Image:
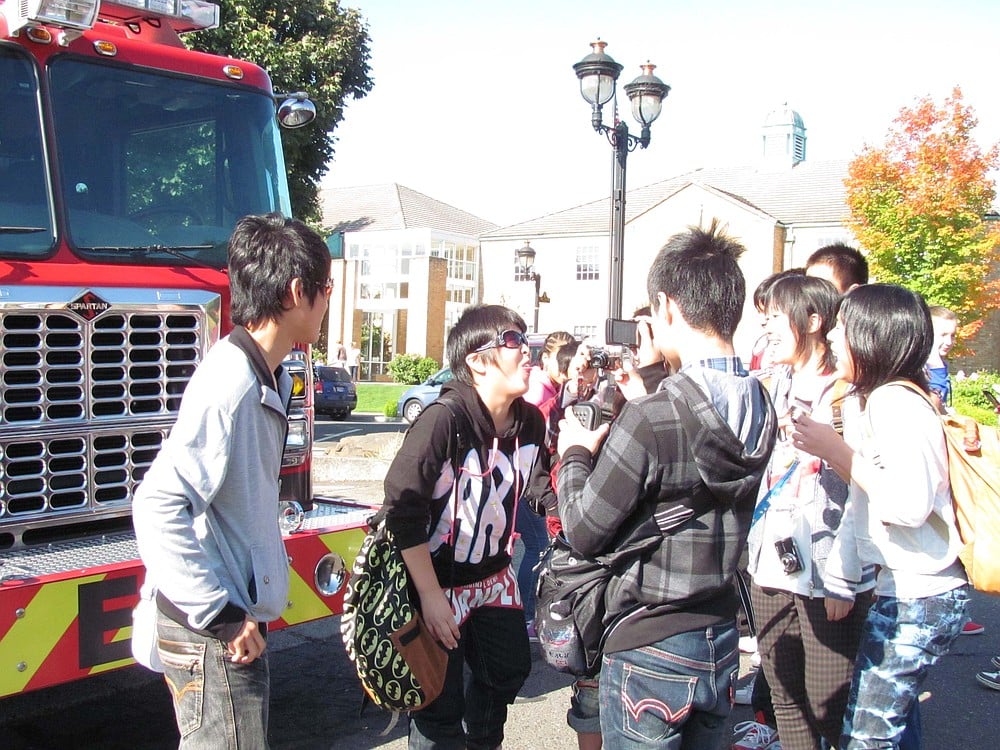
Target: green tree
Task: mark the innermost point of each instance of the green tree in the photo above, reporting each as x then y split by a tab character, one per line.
918	205
314	46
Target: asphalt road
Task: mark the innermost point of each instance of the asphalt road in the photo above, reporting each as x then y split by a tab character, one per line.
329	430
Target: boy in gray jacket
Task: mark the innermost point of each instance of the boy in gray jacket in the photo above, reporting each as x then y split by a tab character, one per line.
206	513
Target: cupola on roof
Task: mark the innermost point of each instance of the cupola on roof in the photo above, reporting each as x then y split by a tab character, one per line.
784	115
784	138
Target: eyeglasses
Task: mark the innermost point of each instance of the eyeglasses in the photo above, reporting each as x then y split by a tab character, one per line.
508	340
328	287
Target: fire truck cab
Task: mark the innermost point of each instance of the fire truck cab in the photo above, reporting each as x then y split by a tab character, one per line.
125	161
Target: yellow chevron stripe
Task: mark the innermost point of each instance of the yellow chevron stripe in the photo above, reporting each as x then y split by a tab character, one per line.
305	603
30	640
347	543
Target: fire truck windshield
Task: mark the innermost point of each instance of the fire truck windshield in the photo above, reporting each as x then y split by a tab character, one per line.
165	166
25	208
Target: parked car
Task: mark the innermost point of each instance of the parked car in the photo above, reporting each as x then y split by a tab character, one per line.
416	398
335	393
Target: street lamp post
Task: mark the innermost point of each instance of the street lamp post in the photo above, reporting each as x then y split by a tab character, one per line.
598	73
526	259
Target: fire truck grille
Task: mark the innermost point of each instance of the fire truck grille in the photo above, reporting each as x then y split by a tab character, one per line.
58	368
47	478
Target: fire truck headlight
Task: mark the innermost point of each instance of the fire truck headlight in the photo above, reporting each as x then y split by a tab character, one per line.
297	110
298	434
331	574
290	516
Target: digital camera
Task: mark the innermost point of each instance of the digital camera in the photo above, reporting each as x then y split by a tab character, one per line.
602	359
788	554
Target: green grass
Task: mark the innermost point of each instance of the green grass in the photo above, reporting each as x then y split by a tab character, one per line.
372	397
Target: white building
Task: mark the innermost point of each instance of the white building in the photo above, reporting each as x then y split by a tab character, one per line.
410	267
781	209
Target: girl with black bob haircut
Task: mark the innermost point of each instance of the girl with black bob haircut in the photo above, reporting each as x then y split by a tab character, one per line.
890	333
900	508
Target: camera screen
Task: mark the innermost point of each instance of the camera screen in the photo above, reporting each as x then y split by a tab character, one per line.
624	332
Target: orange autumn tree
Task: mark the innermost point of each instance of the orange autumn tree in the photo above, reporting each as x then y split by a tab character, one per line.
918	205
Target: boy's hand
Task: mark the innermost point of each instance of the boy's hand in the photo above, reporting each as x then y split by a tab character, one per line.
248	643
571	433
629	382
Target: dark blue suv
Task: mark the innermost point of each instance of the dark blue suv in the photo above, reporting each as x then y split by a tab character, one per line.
335	392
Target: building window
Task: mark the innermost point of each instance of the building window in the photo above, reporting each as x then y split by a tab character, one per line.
587	265
582	332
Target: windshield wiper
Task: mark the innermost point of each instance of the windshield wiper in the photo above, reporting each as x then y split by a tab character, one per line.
180	252
22	230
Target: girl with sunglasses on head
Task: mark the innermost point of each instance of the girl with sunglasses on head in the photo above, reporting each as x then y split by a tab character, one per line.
450	503
900	508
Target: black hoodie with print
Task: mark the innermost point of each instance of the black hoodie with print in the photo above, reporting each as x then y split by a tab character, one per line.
495	472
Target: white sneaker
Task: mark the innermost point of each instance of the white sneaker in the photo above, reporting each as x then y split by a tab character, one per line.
748	644
755	660
755	737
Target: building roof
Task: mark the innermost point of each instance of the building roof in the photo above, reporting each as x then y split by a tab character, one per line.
808	193
394	206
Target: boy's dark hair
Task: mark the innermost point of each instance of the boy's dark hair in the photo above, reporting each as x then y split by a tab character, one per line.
478	326
889	335
761	297
798	297
265	254
565	355
699	270
849	266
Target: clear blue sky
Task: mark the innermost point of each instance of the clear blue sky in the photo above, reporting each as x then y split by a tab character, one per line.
476	103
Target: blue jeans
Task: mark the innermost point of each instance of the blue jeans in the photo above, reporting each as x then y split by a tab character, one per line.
218	705
535	538
494	645
672	695
900	641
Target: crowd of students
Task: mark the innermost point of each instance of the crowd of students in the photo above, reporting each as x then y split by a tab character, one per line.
825	468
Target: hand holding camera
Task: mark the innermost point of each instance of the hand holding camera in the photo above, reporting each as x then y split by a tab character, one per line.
572	431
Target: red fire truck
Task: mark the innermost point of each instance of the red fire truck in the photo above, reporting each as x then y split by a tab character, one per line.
125	161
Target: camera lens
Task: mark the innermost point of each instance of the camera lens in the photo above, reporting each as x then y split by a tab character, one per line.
599	359
789	563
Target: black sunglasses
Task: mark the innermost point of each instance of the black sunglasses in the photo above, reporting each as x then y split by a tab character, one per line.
508	339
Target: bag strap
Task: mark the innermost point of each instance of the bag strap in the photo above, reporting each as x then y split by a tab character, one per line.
838	392
765	502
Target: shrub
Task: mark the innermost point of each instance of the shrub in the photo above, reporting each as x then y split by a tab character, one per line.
389	409
411	368
968	399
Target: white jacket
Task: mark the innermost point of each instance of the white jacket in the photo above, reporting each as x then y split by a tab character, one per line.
905	522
